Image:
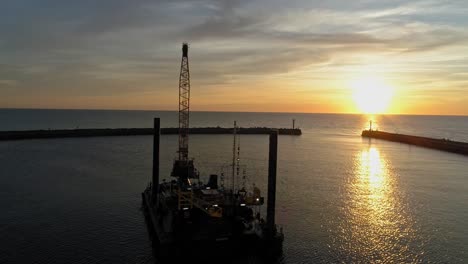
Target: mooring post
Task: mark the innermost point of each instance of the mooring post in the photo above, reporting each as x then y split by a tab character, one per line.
272	164
155	183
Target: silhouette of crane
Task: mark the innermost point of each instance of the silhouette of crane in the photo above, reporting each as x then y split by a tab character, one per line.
183	166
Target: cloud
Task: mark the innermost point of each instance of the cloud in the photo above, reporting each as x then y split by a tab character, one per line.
8	83
130	47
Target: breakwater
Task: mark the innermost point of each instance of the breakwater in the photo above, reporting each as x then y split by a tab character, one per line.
433	143
65	133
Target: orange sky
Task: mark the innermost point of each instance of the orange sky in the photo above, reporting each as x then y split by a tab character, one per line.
244	56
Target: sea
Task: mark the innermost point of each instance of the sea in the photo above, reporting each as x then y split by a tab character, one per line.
340	198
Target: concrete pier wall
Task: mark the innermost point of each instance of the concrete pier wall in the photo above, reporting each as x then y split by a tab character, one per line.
64	133
433	143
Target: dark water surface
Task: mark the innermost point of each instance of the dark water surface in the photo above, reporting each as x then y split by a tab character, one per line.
340	198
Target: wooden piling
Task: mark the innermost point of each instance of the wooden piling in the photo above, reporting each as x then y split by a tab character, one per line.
272	166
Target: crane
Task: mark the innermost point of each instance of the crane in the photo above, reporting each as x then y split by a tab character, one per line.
183	166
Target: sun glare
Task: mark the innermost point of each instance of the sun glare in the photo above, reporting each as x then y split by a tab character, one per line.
371	94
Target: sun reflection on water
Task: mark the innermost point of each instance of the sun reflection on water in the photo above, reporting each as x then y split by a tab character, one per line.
374	192
372	168
378	226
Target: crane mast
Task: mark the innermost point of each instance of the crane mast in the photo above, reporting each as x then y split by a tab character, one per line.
183	166
184	104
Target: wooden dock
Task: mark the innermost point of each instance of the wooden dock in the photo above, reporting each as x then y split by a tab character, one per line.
433	143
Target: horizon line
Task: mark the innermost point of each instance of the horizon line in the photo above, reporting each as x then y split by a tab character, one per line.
209	111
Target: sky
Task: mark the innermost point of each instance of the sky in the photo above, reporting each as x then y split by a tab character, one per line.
256	55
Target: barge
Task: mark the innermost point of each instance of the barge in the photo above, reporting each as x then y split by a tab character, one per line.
186	215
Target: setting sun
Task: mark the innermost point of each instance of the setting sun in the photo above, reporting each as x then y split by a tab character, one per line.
371	94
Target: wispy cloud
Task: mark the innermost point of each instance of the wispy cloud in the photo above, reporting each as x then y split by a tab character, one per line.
126	48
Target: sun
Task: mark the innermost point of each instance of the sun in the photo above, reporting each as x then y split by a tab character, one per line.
371	94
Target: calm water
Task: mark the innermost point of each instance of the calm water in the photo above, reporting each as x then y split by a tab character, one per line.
340	198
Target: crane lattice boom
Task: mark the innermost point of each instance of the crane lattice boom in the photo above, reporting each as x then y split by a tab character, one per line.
184	104
183	166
